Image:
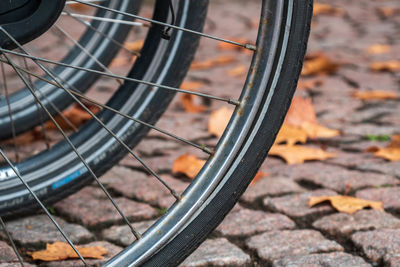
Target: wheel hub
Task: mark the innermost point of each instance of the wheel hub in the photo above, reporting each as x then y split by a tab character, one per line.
26	20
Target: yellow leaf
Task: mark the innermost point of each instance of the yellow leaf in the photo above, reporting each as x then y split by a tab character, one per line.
135	46
214	62
291	135
318	63
345	203
260	175
61	251
218	121
314	130
299	154
375	95
325	9
390	152
393	65
188	164
377	49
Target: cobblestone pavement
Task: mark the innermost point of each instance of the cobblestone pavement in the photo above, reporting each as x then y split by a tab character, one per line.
272	225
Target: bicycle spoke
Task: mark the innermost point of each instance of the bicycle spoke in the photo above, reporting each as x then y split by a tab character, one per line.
42	205
11	242
247	46
154	85
131	23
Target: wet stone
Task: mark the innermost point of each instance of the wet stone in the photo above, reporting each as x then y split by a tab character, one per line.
249	222
36	231
277	244
112	250
335	259
271	186
7	254
342	224
296	206
376	244
217	252
122	234
137	185
92	208
390	197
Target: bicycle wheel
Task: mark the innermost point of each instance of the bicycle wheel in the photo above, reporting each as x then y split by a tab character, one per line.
149	87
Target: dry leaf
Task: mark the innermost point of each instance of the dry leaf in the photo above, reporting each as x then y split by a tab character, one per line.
377	49
260	175
393	65
75	115
389	11
301	110
238	71
375	95
318	63
291	135
189	104
390	152
214	62
61	251
314	130
345	203
326	9
299	154
188	164
191	86
218	121
135	46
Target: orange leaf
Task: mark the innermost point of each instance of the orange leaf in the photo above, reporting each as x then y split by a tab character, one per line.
325	9
75	115
291	135
390	152
135	46
393	65
299	154
260	175
79	7
188	103
188	164
377	49
214	62
238	71
229	46
345	203
389	11
301	110
318	63
314	130
375	95
218	121
61	251
191	86
309	84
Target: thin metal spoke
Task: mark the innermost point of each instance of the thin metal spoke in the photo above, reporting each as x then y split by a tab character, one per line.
13	132
154	85
89	1
199	146
247	46
136	234
85	51
12	242
118	21
41	204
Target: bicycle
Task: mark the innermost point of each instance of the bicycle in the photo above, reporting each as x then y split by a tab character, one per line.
143	95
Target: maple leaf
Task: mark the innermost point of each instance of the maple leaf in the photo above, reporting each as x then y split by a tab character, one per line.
291	135
375	95
393	65
377	49
318	63
218	121
301	111
390	152
75	116
214	62
299	154
345	203
314	130
61	251
188	164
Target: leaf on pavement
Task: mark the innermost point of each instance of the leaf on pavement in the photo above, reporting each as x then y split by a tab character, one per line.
314	130
309	84
326	9
188	164
375	95
392	65
318	63
390	152
218	121
191	86
75	115
135	46
61	251
301	110
378	49
192	103
389	11
291	135
299	154
345	203
260	175
213	62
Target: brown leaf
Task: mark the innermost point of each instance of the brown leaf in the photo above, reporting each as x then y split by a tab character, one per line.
318	63
378	49
375	95
345	203
76	116
214	62
188	164
389	11
260	175
135	46
238	71
61	251
189	104
299	154
314	130
191	86
301	110
218	121
326	9
393	65
79	7
291	135
390	152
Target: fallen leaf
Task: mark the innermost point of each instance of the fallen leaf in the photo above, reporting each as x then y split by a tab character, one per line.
389	11
218	121
260	175
75	115
390	152
314	130
188	164
393	65
326	9
309	84
214	62
238	71
375	95
291	135
61	251
299	154
189	104
345	203
301	110
79	7
135	46
377	49
191	86
318	63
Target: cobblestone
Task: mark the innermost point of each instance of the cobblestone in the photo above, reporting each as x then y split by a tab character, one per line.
6	253
389	196
122	234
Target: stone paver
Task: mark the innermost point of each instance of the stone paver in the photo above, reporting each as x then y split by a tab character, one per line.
392	260
376	244
217	252
91	208
122	234
342	224
277	244
7	253
249	222
390	197
335	259
38	230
